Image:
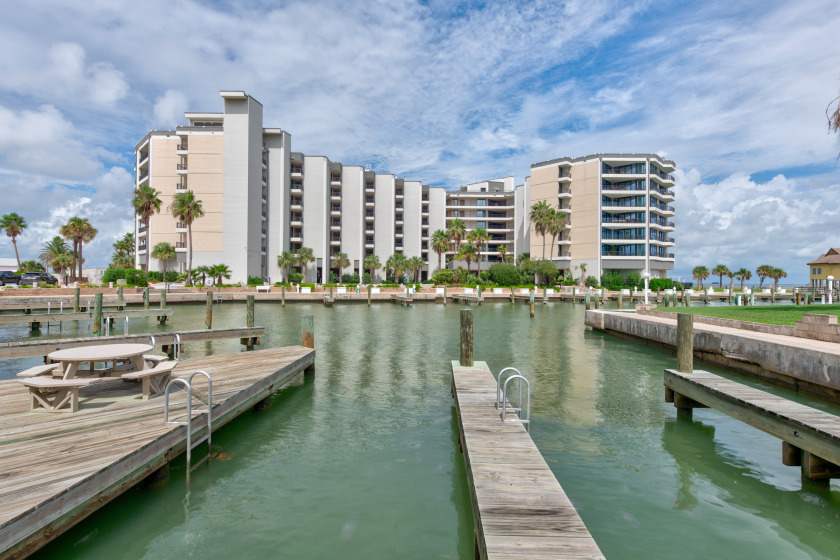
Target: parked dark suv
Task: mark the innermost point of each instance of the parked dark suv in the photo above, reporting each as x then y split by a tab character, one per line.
8	277
35	277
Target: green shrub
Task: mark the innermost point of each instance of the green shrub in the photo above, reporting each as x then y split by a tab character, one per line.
546	269
295	277
612	281
350	278
367	278
591	281
633	280
660	284
254	281
307	285
278	284
505	274
443	277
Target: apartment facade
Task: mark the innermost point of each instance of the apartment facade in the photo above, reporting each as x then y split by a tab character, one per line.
260	198
618	213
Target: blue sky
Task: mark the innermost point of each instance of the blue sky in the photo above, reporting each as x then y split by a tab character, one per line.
447	93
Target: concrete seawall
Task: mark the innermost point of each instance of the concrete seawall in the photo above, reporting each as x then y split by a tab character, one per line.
807	366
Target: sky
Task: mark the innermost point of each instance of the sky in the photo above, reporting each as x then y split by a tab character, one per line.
444	92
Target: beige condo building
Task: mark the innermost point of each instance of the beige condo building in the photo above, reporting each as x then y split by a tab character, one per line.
617	209
260	198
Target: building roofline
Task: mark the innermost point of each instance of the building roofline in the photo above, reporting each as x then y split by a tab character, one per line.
153	133
602	156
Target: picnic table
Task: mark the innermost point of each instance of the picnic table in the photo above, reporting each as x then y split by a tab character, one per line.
131	355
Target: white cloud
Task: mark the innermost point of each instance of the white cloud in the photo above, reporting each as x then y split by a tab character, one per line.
169	109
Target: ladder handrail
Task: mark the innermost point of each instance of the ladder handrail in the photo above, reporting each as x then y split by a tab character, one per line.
499	385
153	342
176	351
522	406
208	412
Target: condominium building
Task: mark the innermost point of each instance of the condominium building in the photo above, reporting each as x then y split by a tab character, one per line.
494	205
618	212
260	198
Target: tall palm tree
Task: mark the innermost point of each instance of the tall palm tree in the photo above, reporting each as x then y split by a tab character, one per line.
540	216
51	249
62	262
456	231
164	252
743	274
305	255
556	225
202	271
731	276
479	238
763	272
700	273
341	261
187	208
466	253
146	203
440	244
415	264
14	224
372	264
285	261
398	263
776	274
721	270
32	266
80	231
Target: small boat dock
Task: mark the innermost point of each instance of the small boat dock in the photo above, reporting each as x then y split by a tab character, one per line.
58	468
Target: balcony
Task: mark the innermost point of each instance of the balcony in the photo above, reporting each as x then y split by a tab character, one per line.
180	227
335	180
564	192
398	195
335	196
180	187
143	178
296	205
369	202
141	228
141	248
296	223
621	220
398	233
369	188
297	170
661	192
624	186
398	221
296	238
335	241
369	217
335	225
181	168
369	245
661	175
180	246
565	176
181	149
369	231
619	253
624	169
424	198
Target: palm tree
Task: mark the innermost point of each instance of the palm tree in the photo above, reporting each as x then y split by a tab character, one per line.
456	231
582	268
502	249
14	224
52	249
540	215
415	264
372	263
219	271
80	231
164	252
124	246
763	272
396	262
341	261
440	244
743	274
187	208
305	255
700	273
466	253
146	203
556	225
31	266
776	274
731	276
721	270
479	236
285	261
203	271
62	262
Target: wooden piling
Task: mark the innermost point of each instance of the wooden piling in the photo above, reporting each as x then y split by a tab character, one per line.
620	297
331	292
76	293
120	298
444	294
146	297
208	311
752	299
798	298
467	335
687	299
586	300
163	299
307	325
368	290
283	296
531	303
97	314
249	311
685	342
597	301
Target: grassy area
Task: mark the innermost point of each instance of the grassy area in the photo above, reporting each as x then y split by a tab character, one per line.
769	314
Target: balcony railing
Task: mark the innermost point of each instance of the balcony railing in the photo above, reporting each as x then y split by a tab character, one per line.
661	174
609	235
625	186
618	220
618	253
143	177
141	228
335	178
297	169
182	147
141	247
180	187
181	166
180	225
661	190
629	169
180	244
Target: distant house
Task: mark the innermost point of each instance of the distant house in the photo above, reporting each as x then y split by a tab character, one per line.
827	264
93	275
8	264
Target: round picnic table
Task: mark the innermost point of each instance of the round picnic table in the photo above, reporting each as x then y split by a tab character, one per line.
71	358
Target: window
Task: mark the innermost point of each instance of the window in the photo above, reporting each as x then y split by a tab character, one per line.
454	202
480	214
482	225
455	213
481	202
816	271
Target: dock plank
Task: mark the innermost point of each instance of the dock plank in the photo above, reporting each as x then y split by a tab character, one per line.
520	509
57	469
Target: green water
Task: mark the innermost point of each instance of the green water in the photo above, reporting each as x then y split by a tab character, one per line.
362	460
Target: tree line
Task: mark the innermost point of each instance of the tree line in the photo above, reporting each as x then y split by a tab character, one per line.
763	272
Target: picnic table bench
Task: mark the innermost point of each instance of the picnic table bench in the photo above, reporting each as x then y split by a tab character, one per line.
54	394
154	379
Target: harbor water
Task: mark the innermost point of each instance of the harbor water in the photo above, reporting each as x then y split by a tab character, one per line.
362	460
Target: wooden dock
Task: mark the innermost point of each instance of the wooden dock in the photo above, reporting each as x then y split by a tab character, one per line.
38	318
402	299
519	508
810	437
56	469
38	348
468	298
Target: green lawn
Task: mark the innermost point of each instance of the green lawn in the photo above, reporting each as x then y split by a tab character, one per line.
769	314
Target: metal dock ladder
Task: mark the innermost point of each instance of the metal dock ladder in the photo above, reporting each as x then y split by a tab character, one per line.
208	413
501	399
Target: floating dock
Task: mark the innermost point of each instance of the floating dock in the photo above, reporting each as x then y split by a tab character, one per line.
519	508
56	469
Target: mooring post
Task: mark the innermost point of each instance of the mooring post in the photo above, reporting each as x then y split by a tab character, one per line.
163	299
444	294
307	325
586	300
369	295
331	292
249	311
512	299
798	298
620	297
752	299
283	296
208	311
146	297
76	294
531	302
597	301
687	298
97	314
120	298
467	337
574	293
685	360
